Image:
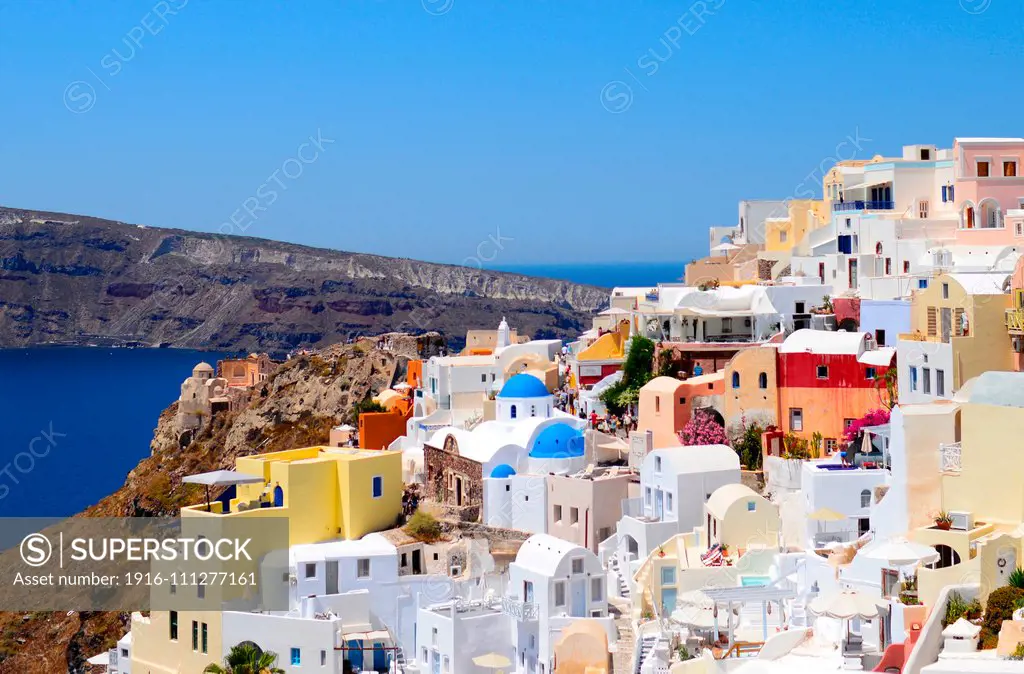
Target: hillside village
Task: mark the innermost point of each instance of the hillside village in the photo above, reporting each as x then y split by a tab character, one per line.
791	461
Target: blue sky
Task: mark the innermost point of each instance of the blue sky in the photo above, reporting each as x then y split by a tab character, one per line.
460	123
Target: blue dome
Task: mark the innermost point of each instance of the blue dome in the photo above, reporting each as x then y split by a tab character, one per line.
503	470
558	441
524	386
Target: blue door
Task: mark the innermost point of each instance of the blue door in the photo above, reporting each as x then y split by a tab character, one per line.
668	601
579	598
659	503
278	497
380	658
354	654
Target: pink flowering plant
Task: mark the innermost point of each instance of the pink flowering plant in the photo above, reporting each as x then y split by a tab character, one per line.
872	418
702	429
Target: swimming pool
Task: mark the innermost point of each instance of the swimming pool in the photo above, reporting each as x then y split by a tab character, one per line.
754	581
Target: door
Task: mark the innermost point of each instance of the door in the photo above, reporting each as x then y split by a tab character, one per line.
853	273
458	491
659	503
1006	562
435	662
380	658
947	324
668	601
417	562
354	655
332	576
579	598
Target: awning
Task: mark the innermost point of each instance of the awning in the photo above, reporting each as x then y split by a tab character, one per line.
373	635
222	478
875	183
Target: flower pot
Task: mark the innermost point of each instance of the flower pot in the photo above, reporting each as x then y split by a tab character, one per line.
944	526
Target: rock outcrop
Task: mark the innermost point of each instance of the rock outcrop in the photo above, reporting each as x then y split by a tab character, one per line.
79	280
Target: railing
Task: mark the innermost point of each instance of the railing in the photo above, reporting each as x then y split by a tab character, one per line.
523	611
951	457
112	668
633	507
862	205
742	649
1015	320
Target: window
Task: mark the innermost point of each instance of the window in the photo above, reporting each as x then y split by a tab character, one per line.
922	208
751	506
823	372
647	496
528	591
124	652
1018	228
174	625
796	419
668	575
940	382
512	411
913	378
310	570
577	565
945	194
847	223
433	636
296	657
726	325
945	291
657	404
865	498
533	410
830	445
363	568
926	154
735	379
869	373
906	266
483	379
800	306
1009	169
560	593
762	380
682	400
926	380
424	656
657	464
668	501
982	169
922	283
783	235
596	589
574	515
323	658
557	513
195	635
888	266
933	321
205	638
880	337
847	423
445	664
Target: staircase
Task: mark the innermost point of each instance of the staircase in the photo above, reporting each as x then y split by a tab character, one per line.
798	613
613	564
399	658
645	647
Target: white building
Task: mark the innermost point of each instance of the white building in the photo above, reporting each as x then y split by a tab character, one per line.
551	584
675	484
753	213
450	633
844	489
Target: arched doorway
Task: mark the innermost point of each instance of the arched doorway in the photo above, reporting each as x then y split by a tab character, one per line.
278	497
849	325
714	414
632	548
947	557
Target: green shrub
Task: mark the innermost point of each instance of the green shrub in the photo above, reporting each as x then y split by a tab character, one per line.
999	608
1016	578
423	527
1018	653
956	606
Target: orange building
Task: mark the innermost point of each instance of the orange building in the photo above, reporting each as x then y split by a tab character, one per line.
377	430
414	373
665	404
827	380
249	371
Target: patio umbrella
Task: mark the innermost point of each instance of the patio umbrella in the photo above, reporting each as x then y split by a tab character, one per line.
826	515
901	552
492	661
846	605
725	247
221	478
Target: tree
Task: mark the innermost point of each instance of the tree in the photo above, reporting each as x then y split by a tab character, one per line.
888	391
246	658
873	418
746	440
636	371
702	429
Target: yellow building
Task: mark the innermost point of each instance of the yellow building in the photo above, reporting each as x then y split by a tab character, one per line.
957	332
784	233
325	493
984	498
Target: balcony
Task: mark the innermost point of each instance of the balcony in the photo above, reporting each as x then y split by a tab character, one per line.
1015	321
951	454
862	205
523	611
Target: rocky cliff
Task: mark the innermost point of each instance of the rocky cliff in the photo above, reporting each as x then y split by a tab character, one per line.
81	280
297	407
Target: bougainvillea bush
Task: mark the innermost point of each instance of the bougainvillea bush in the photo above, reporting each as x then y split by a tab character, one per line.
872	418
702	429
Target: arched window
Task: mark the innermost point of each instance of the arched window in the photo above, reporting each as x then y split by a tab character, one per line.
990	214
878	248
762	380
947	557
735	379
512	411
865	498
533	410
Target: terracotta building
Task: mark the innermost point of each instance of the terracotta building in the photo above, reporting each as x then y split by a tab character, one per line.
249	371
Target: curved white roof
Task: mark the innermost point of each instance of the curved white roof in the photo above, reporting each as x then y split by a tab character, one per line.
484	441
543	553
725	300
1005	389
982	283
694	459
726	495
824	342
371	544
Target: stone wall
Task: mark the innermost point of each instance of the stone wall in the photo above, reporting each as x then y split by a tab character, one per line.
442	467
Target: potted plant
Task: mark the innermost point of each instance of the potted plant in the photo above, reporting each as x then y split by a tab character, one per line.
661	551
943	521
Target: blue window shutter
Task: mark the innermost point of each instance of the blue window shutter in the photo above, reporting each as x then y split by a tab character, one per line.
944	193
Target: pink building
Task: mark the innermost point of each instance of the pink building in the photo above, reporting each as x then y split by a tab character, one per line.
988	184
